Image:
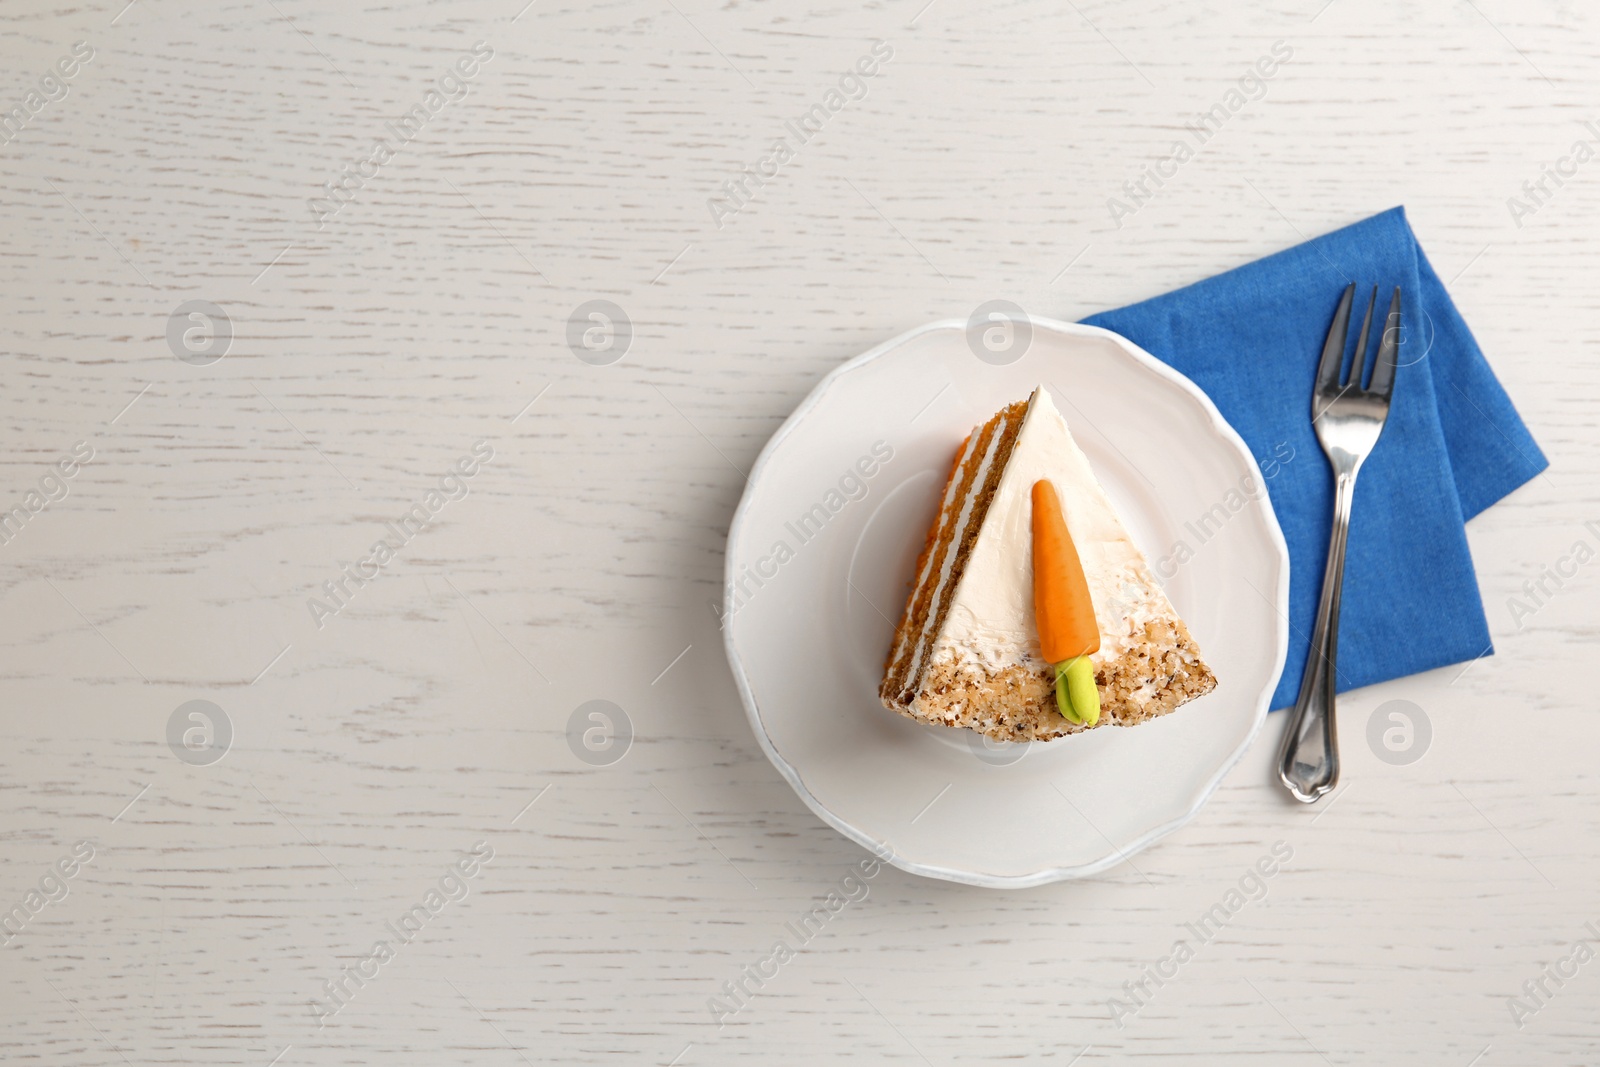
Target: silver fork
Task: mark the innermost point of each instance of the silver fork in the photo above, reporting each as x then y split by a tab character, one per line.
1348	420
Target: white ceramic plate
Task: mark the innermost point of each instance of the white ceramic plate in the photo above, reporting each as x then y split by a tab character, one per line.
820	557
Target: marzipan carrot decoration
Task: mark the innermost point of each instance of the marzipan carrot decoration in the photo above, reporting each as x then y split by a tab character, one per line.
1068	634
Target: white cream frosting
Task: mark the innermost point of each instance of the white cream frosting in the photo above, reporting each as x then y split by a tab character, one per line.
990	624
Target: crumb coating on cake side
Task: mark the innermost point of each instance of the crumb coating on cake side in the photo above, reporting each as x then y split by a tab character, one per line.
1160	671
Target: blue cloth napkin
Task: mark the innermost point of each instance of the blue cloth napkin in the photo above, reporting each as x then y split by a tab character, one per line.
1453	444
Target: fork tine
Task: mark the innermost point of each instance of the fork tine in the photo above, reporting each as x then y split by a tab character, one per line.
1388	352
1358	362
1332	365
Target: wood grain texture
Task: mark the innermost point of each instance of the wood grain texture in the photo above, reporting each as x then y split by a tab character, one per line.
373	350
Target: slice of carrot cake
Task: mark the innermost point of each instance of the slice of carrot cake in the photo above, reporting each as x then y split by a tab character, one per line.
1025	627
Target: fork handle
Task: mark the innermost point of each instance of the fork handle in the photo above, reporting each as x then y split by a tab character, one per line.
1309	762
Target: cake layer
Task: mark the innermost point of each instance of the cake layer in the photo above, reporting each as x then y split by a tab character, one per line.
964	507
914	620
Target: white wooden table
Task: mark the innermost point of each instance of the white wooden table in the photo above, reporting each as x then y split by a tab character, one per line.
378	334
